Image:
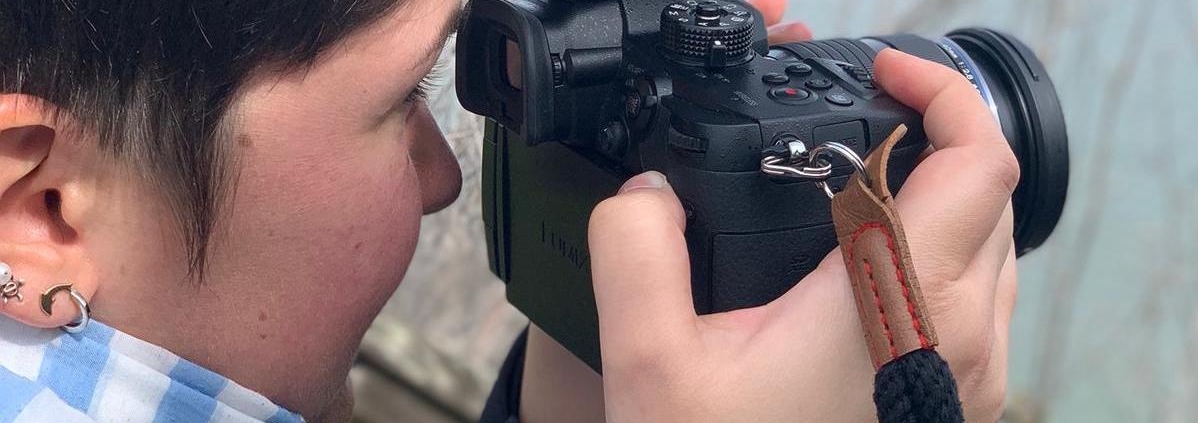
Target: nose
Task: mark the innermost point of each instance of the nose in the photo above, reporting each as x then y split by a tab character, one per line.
436	167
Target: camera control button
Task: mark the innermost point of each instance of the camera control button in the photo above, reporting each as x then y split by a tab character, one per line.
709	10
839	99
819	84
775	79
684	142
801	69
788	95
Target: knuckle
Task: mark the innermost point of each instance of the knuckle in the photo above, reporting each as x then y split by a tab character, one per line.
1008	295
997	163
971	354
952	87
978	352
1006	168
985	402
955	83
980	378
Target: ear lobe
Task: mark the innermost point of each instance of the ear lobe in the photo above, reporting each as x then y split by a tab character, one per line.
41	174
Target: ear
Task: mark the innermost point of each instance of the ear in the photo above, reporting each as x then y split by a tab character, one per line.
47	190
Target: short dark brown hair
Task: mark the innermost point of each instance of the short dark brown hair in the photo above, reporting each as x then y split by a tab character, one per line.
155	78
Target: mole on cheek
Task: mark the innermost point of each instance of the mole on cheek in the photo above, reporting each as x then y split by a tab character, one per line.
262	316
245	141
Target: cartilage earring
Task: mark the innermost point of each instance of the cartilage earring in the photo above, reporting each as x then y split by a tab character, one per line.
84	310
10	286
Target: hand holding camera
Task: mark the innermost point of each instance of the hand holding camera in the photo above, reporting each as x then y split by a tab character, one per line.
690	277
662	362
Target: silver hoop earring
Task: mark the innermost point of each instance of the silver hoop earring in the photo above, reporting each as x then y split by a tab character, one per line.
10	286
84	311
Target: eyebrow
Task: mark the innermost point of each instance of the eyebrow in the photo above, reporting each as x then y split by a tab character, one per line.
450	28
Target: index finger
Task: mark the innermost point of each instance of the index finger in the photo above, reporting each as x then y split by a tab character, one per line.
954	113
952	201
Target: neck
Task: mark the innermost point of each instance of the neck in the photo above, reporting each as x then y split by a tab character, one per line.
272	346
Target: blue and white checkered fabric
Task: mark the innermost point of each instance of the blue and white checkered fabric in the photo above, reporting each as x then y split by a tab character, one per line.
102	375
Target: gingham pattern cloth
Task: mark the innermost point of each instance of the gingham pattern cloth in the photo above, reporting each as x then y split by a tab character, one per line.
102	375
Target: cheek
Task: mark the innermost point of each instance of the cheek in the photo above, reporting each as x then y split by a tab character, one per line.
329	216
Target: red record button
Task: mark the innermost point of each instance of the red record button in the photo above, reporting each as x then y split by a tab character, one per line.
790	95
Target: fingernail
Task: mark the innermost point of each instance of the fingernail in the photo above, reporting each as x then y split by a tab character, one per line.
647	180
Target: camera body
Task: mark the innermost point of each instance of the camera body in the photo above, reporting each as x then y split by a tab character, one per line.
582	95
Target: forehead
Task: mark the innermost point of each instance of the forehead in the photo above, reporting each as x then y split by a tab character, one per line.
421	26
368	70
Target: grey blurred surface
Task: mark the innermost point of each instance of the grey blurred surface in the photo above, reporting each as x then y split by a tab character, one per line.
1106	329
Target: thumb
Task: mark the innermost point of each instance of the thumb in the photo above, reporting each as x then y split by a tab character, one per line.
641	270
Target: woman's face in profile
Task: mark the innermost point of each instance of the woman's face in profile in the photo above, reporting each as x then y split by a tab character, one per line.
335	167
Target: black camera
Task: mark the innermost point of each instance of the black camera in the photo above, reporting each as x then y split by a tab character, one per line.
581	95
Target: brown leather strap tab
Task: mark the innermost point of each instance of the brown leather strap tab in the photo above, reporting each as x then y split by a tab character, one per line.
878	260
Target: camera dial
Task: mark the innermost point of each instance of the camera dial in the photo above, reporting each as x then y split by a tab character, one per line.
711	33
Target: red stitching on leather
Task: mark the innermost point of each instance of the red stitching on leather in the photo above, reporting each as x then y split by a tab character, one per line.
873	284
898	271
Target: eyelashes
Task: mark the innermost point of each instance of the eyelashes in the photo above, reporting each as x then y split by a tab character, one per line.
430	83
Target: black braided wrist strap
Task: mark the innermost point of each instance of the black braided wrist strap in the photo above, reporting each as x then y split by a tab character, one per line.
917	388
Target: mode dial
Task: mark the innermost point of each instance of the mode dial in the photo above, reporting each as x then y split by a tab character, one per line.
711	33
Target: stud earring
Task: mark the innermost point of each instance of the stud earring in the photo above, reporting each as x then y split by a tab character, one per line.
10	286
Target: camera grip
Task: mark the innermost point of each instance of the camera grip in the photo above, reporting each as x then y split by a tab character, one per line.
752	239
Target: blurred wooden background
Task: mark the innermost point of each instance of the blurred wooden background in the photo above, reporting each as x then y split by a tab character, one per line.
1106	328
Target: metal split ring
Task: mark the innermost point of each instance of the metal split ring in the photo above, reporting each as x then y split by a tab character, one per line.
773	166
810	164
848	154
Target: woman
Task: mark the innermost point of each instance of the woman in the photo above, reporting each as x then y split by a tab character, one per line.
233	190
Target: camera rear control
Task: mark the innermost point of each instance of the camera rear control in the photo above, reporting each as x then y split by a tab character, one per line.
819	84
861	75
612	139
839	99
790	95
775	79
684	142
801	69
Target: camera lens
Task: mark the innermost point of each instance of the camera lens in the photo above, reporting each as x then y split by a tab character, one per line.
1021	96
